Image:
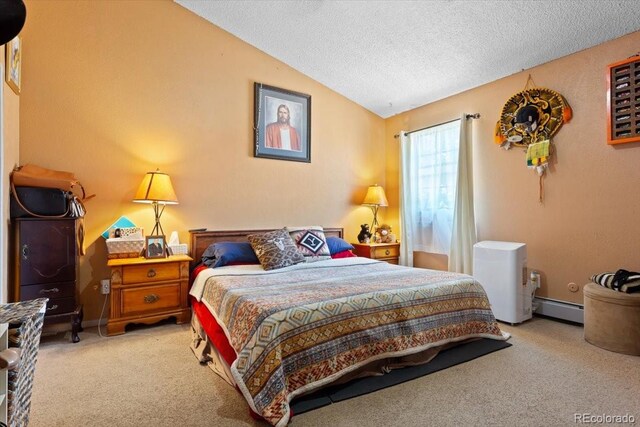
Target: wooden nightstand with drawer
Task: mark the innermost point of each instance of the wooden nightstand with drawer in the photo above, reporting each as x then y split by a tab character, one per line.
148	290
389	252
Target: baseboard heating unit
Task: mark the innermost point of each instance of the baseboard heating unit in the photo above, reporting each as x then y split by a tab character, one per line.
560	309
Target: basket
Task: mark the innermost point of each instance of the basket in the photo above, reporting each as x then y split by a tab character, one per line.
124	248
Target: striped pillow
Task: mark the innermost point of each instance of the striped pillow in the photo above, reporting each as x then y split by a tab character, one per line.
621	281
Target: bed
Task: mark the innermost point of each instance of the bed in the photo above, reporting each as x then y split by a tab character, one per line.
279	334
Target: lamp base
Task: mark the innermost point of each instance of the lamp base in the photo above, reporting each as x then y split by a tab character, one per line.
157	228
374	224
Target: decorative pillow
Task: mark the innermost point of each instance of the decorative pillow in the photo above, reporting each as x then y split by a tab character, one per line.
343	254
337	245
229	253
621	281
311	242
275	249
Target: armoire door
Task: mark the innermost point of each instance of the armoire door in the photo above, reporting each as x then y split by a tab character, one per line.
47	251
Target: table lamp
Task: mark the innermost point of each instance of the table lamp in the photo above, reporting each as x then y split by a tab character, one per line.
375	198
156	189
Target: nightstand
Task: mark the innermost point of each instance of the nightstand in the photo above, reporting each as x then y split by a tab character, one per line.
148	290
388	252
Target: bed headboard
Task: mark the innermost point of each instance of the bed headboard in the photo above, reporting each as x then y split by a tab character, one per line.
200	240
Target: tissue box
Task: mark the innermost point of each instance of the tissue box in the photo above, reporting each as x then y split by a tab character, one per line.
179	249
124	248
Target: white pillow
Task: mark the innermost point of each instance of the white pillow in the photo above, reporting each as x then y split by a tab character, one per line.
311	242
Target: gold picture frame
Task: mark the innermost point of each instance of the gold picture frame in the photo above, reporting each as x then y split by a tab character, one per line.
13	64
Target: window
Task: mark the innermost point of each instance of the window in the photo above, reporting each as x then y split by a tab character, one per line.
433	174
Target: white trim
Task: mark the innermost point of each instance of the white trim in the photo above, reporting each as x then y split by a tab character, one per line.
4	245
560	309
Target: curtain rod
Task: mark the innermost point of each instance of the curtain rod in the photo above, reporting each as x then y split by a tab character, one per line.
468	116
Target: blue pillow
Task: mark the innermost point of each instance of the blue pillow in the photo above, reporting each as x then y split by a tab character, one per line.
224	253
336	245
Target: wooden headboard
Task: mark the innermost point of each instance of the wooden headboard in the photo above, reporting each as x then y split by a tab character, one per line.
200	240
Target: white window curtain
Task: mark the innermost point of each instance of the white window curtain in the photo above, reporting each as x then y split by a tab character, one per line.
406	190
464	234
429	176
429	163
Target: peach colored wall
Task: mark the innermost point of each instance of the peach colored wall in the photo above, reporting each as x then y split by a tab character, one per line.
431	260
112	90
10	153
588	222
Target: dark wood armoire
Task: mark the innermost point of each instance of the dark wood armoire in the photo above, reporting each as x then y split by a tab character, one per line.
46	265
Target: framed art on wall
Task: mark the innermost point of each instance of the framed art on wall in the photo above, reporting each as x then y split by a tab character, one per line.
13	61
282	124
623	103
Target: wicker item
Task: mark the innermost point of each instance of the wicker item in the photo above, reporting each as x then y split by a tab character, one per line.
124	248
26	320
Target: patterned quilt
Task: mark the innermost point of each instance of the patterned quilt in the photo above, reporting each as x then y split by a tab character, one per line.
299	328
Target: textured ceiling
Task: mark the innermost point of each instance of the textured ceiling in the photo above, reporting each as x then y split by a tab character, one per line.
392	56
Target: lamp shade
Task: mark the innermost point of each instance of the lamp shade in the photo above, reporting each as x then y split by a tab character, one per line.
156	187
375	197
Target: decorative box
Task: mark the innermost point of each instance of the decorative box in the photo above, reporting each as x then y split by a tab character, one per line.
623	102
123	232
124	248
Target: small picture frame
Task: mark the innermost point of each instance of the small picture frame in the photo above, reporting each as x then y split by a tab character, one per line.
13	64
156	247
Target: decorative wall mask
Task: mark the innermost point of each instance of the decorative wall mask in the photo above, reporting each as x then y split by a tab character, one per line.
529	119
530	116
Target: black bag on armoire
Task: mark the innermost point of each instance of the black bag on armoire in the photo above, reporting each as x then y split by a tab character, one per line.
49	202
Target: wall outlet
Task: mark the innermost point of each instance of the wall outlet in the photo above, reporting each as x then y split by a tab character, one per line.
105	286
535	279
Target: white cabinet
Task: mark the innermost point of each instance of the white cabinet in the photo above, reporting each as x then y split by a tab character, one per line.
501	269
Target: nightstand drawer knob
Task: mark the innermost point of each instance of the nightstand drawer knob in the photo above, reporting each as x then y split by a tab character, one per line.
387	252
150	299
151	273
53	307
46	291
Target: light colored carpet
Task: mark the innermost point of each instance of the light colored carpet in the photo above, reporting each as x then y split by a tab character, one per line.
149	377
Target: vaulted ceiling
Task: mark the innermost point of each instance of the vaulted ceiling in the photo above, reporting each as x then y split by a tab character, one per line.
393	56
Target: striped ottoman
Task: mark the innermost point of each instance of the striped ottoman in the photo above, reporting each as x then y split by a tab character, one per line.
612	319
